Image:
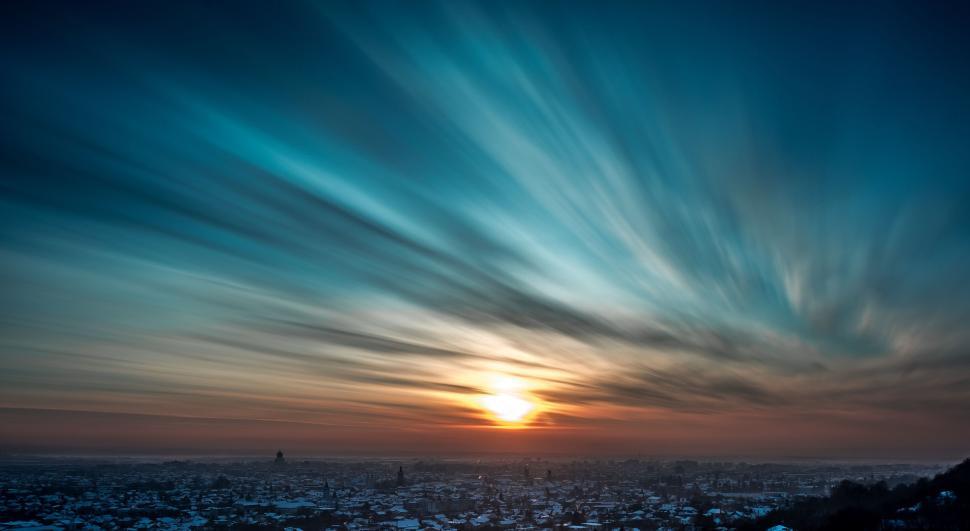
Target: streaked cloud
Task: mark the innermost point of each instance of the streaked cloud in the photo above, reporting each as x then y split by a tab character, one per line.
356	216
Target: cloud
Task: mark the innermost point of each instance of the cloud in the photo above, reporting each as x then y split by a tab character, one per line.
376	211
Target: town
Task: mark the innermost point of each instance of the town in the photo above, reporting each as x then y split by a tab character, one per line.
412	494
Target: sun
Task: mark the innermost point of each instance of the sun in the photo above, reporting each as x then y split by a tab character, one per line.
507	407
509	402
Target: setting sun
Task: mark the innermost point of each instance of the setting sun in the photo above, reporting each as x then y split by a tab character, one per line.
509	401
507	408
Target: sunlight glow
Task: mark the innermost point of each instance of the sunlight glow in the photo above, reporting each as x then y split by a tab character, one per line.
506	407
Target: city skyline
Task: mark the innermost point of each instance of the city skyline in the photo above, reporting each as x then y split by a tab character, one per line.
558	228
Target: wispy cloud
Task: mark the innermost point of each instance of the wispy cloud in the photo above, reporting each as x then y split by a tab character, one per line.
359	219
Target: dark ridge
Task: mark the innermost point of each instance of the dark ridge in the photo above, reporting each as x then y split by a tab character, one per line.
938	504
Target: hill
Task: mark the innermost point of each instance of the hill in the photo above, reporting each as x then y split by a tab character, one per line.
938	504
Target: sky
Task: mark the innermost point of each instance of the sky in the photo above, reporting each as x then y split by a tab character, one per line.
590	228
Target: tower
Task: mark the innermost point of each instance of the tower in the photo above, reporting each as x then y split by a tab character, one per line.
400	476
279	458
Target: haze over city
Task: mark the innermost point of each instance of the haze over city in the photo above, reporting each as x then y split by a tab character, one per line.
716	229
